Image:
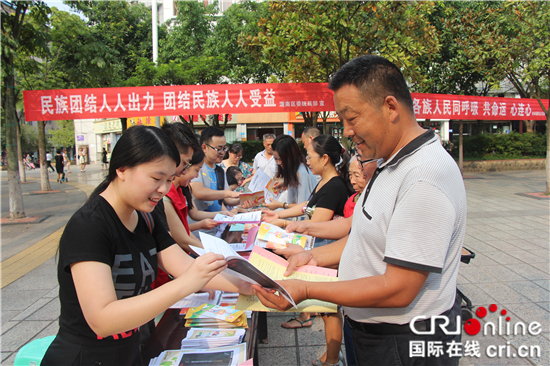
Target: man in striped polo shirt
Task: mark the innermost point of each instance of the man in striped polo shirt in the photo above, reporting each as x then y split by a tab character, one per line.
401	259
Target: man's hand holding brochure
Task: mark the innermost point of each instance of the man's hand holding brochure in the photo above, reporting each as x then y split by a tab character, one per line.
263	269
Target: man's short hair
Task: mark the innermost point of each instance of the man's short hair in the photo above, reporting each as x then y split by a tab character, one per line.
268	136
311	131
181	135
375	77
208	133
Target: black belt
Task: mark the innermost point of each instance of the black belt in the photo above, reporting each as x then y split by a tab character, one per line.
388	328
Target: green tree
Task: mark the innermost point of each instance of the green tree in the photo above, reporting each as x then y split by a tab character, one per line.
310	41
75	58
238	23
515	36
17	35
63	136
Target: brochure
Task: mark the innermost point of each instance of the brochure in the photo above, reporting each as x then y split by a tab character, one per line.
238	266
259	181
257	198
212	337
253	217
275	266
227	314
197	299
273	237
228	355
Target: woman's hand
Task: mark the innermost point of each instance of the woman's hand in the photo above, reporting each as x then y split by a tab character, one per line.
273	205
201	271
290	250
248	204
298	226
208	224
227	213
269	216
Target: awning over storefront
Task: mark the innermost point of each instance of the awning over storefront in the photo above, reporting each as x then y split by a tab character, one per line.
45	105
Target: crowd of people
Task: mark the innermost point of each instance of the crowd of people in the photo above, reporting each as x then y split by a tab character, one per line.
126	255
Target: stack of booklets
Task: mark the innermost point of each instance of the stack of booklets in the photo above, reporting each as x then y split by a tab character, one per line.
273	237
215	316
212	337
234	355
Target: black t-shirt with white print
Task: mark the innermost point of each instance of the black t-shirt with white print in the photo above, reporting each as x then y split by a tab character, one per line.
95	233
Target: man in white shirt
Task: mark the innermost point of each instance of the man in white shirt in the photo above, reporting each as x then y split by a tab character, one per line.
264	159
397	276
49	162
309	134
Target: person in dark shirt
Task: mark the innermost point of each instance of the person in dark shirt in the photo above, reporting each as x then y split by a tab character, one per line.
110	252
59	166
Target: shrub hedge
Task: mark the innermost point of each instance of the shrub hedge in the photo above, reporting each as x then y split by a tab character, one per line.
503	146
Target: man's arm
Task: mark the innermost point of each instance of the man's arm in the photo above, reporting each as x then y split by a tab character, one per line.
396	288
201	193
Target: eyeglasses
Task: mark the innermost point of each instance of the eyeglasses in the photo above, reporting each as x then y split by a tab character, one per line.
187	165
363	162
308	158
219	150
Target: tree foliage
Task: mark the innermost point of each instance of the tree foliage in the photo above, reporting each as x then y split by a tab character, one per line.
310	41
64	136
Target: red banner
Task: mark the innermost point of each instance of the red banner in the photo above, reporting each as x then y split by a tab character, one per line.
46	105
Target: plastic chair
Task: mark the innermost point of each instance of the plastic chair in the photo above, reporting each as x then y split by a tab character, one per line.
32	353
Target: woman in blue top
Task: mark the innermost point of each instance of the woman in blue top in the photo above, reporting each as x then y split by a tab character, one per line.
297	177
110	252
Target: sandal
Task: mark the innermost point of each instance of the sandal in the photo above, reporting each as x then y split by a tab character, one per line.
339	363
300	322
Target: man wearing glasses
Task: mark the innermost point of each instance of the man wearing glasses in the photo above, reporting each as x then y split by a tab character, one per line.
394	266
264	159
210	188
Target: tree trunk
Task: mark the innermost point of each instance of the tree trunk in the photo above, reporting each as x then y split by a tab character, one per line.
310	118
14	184
22	173
529	126
124	124
44	180
461	147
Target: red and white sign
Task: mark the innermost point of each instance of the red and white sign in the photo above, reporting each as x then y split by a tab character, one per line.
46	105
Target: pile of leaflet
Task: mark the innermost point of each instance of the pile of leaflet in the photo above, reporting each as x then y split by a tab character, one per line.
230	355
212	338
215	316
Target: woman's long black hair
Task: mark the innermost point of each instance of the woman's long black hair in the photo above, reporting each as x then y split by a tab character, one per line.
198	157
291	158
138	145
327	144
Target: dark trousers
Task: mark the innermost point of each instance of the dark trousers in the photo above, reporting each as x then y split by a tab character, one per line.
49	165
388	344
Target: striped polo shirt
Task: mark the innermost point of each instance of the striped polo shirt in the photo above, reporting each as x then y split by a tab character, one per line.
411	214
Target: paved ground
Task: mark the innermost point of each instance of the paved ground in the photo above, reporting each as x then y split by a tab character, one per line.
508	232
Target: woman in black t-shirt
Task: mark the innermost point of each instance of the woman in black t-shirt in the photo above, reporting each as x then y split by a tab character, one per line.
110	252
325	157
